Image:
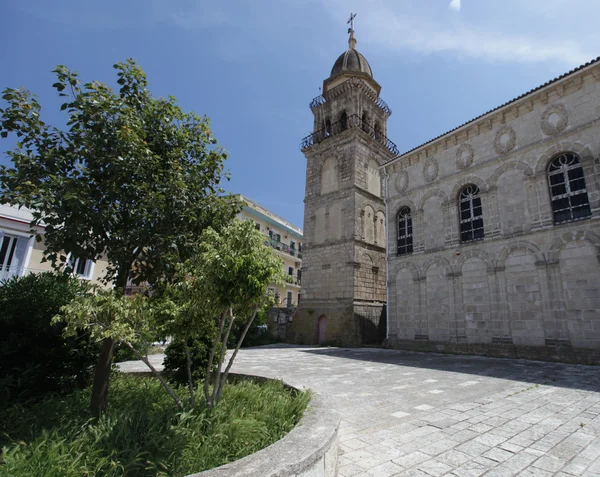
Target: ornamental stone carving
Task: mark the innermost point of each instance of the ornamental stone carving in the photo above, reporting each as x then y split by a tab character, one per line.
464	156
430	170
401	181
505	140
554	119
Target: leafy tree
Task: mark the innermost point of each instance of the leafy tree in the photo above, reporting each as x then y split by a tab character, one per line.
131	177
225	282
107	315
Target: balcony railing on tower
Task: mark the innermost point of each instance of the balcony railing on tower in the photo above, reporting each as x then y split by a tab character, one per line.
352	82
351	122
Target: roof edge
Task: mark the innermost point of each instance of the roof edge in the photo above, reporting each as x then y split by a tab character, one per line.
548	84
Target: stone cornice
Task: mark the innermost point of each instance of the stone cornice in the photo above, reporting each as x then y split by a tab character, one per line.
368	195
517	152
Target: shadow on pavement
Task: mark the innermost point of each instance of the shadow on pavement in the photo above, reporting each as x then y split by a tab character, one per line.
573	376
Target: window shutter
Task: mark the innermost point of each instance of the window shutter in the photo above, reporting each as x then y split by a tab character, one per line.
18	261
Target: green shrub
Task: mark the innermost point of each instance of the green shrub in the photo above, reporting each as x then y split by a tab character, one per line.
176	361
35	359
143	434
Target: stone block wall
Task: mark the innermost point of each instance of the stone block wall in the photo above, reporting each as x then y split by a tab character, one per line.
530	288
341	325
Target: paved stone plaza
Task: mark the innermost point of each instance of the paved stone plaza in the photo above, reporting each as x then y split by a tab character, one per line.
419	414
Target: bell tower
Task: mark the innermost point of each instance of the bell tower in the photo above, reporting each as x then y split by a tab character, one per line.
343	274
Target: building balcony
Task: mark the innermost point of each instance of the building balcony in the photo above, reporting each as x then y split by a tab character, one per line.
292	280
284	248
351	122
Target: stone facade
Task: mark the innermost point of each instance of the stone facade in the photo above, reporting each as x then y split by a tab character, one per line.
530	287
343	289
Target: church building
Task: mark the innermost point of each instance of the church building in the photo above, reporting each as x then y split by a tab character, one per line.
492	230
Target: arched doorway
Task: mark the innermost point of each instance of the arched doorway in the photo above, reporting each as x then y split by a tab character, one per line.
322	328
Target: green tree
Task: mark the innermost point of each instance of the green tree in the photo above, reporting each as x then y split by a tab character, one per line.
105	314
225	282
131	177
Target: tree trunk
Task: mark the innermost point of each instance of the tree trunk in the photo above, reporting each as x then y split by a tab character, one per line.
211	356
217	380
99	399
189	371
223	380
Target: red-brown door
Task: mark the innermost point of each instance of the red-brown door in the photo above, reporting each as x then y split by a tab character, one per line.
322	328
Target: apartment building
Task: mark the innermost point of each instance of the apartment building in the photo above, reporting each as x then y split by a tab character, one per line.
21	254
286	239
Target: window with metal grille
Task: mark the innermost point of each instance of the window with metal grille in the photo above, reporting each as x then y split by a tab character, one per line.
405	237
471	214
567	189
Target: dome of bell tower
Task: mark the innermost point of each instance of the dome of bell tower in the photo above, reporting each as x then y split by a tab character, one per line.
351	61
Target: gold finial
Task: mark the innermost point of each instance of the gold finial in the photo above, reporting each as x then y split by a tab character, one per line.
351	39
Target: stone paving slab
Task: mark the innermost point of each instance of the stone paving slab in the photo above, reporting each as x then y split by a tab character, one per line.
425	414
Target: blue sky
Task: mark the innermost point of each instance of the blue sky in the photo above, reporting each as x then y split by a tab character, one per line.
253	66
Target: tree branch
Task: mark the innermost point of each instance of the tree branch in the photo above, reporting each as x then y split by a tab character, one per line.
217	384
237	348
157	374
211	357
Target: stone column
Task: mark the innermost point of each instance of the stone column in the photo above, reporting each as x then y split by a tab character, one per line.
548	328
556	303
491	223
501	307
457	308
418	223
450	211
422	306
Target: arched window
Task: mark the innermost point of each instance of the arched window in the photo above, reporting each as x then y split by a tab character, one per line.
471	214
405	237
365	122
343	121
567	188
327	127
378	131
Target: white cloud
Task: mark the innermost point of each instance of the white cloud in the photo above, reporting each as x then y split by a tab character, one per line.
489	34
454	5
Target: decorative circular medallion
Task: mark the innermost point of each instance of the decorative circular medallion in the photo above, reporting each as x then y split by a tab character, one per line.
464	156
505	140
554	119
401	181
430	169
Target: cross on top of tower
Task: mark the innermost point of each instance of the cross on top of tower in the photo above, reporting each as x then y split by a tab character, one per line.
351	39
351	22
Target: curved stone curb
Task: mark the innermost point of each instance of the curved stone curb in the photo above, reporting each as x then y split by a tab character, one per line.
309	450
